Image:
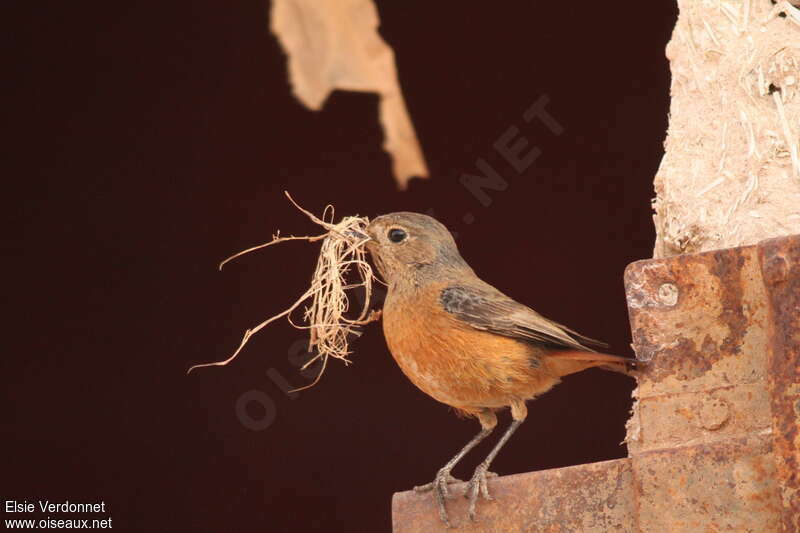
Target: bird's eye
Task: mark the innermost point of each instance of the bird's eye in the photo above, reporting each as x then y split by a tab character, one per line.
397	235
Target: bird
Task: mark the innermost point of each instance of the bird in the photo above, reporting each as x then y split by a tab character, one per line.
465	343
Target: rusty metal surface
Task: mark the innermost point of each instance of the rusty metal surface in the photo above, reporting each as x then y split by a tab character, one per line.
725	486
593	498
690	418
699	322
714	433
714	437
702	335
780	266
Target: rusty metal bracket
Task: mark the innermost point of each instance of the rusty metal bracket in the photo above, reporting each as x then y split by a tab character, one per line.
713	439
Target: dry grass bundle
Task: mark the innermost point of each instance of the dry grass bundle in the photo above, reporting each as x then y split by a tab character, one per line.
342	252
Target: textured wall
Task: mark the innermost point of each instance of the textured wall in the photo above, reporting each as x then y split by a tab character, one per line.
731	174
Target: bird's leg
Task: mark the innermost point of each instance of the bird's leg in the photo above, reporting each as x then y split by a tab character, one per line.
478	485
443	477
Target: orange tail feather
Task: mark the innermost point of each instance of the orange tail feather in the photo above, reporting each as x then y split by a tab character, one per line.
569	362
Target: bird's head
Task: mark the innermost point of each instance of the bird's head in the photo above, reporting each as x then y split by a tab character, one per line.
403	244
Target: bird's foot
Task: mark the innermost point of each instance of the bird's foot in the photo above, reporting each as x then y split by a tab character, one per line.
478	486
439	486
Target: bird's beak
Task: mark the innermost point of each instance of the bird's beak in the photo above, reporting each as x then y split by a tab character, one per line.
356	234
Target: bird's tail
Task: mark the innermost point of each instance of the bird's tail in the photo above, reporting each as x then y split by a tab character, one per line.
571	361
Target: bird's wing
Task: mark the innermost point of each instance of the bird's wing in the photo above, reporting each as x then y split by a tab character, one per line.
485	308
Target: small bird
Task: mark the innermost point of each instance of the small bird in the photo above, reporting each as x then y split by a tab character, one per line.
465	343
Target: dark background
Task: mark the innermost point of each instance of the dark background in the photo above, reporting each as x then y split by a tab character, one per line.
151	140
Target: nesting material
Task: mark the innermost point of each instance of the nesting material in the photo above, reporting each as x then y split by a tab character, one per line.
342	267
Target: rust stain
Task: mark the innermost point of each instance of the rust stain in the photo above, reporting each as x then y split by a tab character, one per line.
708	413
728	268
593	498
717	303
642	277
723	486
780	267
710	379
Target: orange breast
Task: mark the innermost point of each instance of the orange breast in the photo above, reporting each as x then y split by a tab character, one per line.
455	363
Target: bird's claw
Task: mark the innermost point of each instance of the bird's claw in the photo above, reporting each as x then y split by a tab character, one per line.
439	487
478	486
442	480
